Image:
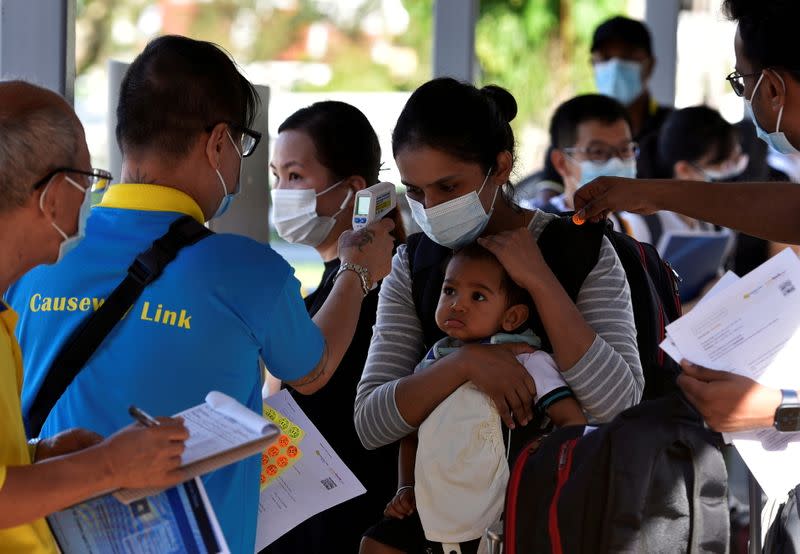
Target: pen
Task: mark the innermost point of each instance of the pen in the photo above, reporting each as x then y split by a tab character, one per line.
142	417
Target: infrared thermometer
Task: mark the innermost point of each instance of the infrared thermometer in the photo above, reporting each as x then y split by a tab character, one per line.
373	203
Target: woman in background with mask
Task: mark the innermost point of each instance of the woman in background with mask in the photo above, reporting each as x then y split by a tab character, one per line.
454	148
694	144
324	154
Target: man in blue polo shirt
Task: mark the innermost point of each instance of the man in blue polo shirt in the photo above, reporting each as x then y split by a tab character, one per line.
182	118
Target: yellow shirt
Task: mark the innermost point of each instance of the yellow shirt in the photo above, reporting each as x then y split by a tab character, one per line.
35	537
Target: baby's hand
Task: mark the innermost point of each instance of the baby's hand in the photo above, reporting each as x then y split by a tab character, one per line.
402	505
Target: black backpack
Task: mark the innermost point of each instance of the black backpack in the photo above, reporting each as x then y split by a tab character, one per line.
783	536
571	252
652	480
656	303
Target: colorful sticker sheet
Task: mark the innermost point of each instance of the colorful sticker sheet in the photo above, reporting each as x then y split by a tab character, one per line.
282	454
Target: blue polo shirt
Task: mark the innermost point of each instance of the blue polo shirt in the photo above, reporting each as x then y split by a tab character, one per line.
201	326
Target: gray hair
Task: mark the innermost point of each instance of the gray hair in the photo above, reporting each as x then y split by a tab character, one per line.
32	143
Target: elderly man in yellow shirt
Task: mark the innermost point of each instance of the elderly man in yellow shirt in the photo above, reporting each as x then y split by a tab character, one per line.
42	137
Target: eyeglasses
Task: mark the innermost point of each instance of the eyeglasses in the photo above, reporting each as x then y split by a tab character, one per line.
736	80
249	140
97	179
604	152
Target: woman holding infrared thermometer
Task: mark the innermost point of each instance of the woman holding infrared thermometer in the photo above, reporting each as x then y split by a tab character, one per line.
324	154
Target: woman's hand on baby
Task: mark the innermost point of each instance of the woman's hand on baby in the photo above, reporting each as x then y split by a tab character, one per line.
402	505
519	253
495	370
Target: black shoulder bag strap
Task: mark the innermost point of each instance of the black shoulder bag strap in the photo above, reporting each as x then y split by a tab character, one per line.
655	226
146	268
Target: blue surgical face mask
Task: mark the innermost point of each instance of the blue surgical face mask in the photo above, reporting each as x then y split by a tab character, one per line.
70	242
619	79
457	222
777	140
227	197
614	167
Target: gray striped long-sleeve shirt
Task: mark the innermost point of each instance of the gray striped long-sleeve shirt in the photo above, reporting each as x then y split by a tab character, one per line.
607	379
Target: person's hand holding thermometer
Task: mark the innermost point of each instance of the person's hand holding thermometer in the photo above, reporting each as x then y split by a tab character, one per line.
373	203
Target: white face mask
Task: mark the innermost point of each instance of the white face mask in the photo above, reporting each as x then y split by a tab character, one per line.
776	140
294	212
728	170
70	242
457	222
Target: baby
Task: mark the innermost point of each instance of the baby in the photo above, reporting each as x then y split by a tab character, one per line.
455	471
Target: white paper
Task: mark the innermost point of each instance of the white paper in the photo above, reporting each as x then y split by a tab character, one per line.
224	404
742	328
317	481
668	345
724	282
213	431
752	327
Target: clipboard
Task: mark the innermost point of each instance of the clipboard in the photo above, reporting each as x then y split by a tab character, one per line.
222	431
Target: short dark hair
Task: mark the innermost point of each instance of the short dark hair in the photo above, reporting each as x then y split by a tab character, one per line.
459	119
693	133
588	107
174	90
344	140
768	30
628	31
515	294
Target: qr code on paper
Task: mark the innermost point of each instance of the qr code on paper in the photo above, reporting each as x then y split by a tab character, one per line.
328	483
787	288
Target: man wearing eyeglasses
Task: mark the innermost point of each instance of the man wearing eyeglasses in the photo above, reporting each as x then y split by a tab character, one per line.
41	221
590	137
767	77
223	303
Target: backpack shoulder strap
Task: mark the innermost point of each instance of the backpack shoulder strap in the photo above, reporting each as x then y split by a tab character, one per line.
146	268
655	226
571	251
426	261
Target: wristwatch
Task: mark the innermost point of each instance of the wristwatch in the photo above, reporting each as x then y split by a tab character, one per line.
33	444
363	274
787	415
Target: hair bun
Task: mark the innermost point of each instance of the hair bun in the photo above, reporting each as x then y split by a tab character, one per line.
503	99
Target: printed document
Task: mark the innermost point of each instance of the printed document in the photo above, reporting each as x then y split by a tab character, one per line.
299	486
221	431
752	327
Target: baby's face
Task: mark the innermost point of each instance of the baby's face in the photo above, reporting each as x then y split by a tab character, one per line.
472	304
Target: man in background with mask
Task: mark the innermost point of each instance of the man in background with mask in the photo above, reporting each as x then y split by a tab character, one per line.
622	60
45	180
590	137
767	78
183	117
